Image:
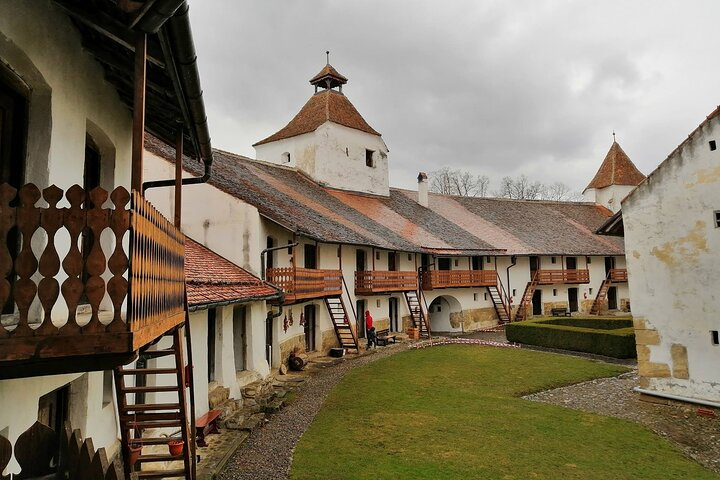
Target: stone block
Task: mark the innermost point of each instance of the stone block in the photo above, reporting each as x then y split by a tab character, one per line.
218	396
680	361
647	337
653	370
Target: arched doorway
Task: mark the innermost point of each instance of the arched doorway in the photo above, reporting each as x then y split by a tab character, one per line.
445	314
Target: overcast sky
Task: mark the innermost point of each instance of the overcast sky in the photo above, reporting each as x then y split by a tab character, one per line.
493	87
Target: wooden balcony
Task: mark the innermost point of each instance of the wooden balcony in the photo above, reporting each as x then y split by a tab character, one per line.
553	277
369	282
618	275
458	278
305	283
89	286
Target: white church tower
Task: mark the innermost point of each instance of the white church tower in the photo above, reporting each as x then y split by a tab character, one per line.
330	141
614	180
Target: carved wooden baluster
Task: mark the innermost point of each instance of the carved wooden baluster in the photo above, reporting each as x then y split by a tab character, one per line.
5	455
99	465
35	449
85	467
7	221
114	472
72	287
73	459
97	221
118	263
28	221
51	220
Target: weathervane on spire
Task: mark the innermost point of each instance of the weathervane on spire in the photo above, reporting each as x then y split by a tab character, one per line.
613	135
327	54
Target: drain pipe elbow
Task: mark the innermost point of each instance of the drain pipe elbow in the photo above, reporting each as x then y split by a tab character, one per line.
513	262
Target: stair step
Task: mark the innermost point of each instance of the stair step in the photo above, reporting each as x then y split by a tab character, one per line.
160	457
150	417
152	388
154	424
150	441
147	371
141	407
158	353
161	473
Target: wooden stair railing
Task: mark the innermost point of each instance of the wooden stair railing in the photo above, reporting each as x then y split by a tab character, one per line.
614	275
418	312
341	322
526	299
137	415
499	300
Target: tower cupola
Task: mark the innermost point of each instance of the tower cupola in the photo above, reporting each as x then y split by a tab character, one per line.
328	78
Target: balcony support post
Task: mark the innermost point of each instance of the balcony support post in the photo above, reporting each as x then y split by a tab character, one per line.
138	143
178	176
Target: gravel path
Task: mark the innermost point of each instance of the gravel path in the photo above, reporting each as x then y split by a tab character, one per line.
267	454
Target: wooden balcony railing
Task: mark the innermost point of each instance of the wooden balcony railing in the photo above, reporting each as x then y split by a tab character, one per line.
551	277
458	278
369	282
305	283
618	275
100	281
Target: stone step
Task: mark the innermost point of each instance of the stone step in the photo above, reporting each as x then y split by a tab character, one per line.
253	422
274	406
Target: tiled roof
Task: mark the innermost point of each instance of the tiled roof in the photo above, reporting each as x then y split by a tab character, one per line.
324	106
212	279
480	226
616	169
328	71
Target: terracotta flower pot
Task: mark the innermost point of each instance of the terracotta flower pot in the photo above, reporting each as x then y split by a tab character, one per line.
176	447
133	454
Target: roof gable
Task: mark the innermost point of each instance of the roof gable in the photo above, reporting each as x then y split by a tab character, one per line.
616	169
325	106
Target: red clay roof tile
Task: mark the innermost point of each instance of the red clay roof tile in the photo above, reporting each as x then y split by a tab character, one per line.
616	169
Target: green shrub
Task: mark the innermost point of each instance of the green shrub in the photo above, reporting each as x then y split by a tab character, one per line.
612	337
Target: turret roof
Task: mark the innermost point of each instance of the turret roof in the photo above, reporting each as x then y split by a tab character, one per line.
329	71
616	169
325	106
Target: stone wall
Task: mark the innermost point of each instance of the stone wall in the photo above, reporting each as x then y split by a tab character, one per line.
474	319
294	344
548	306
328	340
646	337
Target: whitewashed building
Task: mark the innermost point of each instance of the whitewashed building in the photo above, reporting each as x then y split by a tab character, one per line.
672	236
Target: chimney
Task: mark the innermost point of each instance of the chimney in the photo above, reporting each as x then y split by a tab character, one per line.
423	189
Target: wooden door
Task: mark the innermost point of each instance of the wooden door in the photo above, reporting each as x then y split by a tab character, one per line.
310	328
612	298
392	261
537	302
476	263
393	314
240	338
360	260
534	266
609	264
310	256
573	299
571	263
360	307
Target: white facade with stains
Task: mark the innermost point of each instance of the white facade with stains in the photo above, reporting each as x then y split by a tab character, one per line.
672	241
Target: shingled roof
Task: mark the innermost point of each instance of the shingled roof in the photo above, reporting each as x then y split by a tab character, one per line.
212	279
325	106
450	226
616	169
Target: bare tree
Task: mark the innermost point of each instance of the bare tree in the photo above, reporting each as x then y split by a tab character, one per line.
450	181
560	192
520	188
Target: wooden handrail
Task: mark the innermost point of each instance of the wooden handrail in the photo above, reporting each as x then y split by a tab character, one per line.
374	281
133	295
302	283
458	278
550	277
617	275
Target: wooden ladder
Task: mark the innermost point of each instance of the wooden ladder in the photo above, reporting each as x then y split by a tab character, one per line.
498	303
522	313
137	415
341	321
599	301
418	313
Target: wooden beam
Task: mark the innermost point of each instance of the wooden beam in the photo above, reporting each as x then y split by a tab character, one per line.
107	27
139	113
178	176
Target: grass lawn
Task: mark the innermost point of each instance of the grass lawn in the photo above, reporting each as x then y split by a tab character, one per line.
453	412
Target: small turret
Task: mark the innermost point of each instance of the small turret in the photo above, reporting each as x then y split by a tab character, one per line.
614	180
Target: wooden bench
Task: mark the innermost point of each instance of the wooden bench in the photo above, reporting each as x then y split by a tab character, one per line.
559	312
206	425
384	337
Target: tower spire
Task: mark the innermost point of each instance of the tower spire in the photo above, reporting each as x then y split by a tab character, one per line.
327	55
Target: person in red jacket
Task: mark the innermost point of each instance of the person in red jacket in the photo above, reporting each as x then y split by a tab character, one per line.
371	338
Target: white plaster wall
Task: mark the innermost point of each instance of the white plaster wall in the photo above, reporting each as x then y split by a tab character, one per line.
334	155
673	259
609	197
221	222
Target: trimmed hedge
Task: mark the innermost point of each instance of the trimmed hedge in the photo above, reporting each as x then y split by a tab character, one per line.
612	337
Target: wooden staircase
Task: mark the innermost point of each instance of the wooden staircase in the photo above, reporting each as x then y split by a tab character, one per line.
341	321
522	311
138	416
418	312
501	307
599	302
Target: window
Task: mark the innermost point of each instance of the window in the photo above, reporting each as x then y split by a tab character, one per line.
590	291
310	256
286	157
377	255
713	145
476	263
290	248
369	159
443	263
457	262
717	218
474	297
554	292
588	260
552	260
514	292
488	259
107	388
409	257
715	337
211	344
378	304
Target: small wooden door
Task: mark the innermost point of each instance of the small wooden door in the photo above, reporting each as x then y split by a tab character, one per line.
360	260
310	260
268	339
534	266
392	261
53	408
612	298
609	264
537	302
571	264
240	338
443	263
476	263
573	299
310	328
393	314
360	307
